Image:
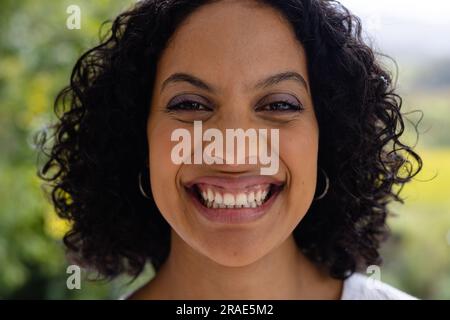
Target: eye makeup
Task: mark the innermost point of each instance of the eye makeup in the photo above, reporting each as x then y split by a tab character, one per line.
279	102
188	102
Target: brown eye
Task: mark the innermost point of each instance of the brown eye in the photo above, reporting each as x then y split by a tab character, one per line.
189	106
186	103
280	106
281	103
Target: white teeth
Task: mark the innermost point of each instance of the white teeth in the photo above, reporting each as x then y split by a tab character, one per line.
251	197
228	199
264	194
210	195
218	198
241	199
258	196
215	199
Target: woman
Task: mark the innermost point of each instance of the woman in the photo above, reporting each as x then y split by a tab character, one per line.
220	230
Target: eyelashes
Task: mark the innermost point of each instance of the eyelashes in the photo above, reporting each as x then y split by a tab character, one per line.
276	106
188	105
280	106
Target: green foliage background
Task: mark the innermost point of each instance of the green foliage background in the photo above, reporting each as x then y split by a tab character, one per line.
37	53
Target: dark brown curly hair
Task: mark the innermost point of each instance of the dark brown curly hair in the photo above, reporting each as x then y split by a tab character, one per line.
99	144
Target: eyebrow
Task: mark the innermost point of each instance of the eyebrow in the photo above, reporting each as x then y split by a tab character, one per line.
264	83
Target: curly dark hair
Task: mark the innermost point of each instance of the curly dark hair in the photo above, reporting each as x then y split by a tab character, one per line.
99	143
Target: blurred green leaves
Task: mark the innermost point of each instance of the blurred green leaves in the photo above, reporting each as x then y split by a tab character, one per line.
37	55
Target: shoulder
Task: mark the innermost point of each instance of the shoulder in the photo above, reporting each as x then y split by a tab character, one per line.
137	294
147	291
133	295
361	287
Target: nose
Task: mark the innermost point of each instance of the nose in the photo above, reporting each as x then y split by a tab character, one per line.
245	141
236	112
234	117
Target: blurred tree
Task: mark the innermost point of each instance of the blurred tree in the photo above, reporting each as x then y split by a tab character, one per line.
37	54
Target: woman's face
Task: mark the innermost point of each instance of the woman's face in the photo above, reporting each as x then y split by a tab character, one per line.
230	212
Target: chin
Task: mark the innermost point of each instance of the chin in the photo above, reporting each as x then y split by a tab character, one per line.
233	248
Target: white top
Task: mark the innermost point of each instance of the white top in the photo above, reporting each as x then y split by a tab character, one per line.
361	287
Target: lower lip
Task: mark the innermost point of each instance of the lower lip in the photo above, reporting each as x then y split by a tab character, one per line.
231	215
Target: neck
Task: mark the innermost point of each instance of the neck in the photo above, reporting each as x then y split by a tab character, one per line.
284	273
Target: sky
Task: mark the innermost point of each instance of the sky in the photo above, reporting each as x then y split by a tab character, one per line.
434	12
411	29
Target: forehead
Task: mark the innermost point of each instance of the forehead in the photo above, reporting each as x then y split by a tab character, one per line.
233	43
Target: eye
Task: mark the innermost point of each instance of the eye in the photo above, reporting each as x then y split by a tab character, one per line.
280	106
281	103
187	104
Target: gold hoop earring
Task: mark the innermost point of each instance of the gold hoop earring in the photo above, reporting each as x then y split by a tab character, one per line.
140	186
327	186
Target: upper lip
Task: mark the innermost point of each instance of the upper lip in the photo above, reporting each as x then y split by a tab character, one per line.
235	182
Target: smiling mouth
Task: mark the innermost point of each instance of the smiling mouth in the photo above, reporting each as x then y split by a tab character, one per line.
213	197
225	199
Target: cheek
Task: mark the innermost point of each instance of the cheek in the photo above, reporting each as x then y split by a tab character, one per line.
163	171
298	152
